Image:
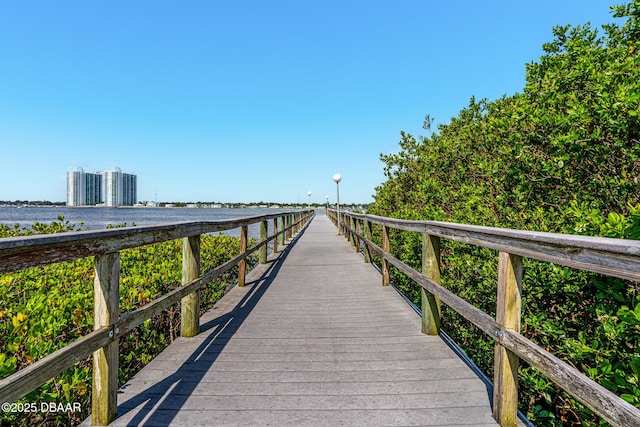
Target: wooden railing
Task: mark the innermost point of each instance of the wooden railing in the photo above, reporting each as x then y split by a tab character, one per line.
23	252
612	257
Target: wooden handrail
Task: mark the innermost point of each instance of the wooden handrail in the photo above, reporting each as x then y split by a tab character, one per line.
31	251
613	257
18	253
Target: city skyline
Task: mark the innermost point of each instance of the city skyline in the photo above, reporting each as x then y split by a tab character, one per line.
107	188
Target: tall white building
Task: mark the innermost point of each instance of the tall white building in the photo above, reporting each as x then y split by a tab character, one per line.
113	188
120	189
76	188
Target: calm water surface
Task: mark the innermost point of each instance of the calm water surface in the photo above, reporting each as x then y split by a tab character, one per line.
99	218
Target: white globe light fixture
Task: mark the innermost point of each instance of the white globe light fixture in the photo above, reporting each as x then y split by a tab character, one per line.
337	178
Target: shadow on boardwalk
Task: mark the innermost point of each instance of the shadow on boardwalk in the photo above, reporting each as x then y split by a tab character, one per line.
163	400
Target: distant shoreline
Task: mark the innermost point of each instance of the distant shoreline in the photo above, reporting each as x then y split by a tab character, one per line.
183	205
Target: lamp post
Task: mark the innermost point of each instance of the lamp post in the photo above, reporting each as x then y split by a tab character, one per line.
337	178
327	208
309	204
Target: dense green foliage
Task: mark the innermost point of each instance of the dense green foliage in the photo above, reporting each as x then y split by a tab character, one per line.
563	156
42	309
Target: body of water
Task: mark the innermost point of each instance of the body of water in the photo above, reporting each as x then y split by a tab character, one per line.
99	218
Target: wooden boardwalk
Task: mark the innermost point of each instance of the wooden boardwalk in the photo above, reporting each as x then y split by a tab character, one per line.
312	339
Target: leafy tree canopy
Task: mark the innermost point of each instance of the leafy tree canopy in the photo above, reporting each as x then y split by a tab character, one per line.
566	147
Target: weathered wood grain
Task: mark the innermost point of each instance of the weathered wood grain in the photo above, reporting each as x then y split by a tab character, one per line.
276	235
263	237
17	253
431	311
282	232
105	359
612	257
190	304
367	235
385	248
242	266
505	366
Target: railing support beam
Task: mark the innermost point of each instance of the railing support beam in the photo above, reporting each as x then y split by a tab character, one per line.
431	310
352	234
190	305
386	248
508	312
105	360
263	237
242	265
367	234
281	237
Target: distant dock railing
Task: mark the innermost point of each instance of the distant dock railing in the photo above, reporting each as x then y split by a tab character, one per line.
23	252
613	257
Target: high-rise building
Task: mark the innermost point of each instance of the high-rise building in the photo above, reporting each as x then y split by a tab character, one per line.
76	188
129	189
113	188
93	188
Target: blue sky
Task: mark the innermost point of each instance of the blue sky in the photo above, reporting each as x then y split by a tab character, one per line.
249	100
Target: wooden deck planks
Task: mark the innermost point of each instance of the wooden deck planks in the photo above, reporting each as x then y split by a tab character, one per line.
312	339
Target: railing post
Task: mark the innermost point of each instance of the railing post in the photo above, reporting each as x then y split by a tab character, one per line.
275	232
343	224
386	248
431	310
281	237
242	265
288	221
346	227
190	304
345	230
106	284
355	235
367	234
352	235
263	237
508	311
